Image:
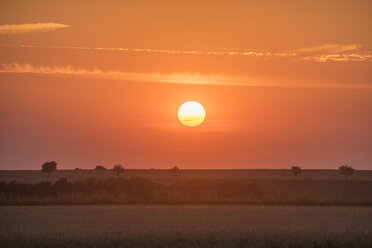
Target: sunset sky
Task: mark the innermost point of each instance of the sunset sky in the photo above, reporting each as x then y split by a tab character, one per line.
283	83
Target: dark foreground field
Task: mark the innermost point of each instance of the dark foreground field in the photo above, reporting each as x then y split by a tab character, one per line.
185	226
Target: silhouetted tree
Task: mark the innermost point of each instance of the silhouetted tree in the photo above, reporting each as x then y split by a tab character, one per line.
118	169
77	169
49	167
100	167
175	170
297	171
346	170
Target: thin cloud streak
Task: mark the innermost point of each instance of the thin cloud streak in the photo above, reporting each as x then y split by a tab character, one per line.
339	57
210	126
178	78
301	54
30	27
329	48
169	51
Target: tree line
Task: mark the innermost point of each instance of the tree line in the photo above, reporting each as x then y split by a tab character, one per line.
49	167
133	190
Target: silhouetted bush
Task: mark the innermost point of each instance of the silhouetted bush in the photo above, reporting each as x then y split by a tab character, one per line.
296	170
118	169
49	167
175	170
346	170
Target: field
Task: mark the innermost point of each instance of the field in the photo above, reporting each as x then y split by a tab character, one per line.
185	226
198	208
34	176
315	187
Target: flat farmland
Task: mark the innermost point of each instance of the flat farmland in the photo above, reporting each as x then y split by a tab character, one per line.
35	176
314	187
185	226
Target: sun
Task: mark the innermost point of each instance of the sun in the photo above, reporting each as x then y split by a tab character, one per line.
191	114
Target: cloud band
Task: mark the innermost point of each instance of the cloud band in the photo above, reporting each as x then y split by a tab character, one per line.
30	27
179	78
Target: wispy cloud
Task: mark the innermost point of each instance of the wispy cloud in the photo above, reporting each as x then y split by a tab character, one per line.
179	78
329	48
339	57
30	27
170	51
322	53
332	52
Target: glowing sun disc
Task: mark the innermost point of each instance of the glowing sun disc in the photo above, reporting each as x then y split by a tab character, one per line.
191	114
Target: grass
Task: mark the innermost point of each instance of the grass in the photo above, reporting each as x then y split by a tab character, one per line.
185	226
324	211
193	239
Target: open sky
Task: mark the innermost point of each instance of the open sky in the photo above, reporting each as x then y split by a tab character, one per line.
283	83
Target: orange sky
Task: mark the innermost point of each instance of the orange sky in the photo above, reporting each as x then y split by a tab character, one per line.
100	82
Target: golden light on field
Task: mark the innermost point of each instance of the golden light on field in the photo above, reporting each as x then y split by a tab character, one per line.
191	114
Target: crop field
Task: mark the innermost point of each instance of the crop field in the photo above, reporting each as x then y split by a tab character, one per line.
185	226
198	208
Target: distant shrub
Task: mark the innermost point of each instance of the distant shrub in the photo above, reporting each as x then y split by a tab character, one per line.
175	170
118	169
100	167
49	167
346	170
297	170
